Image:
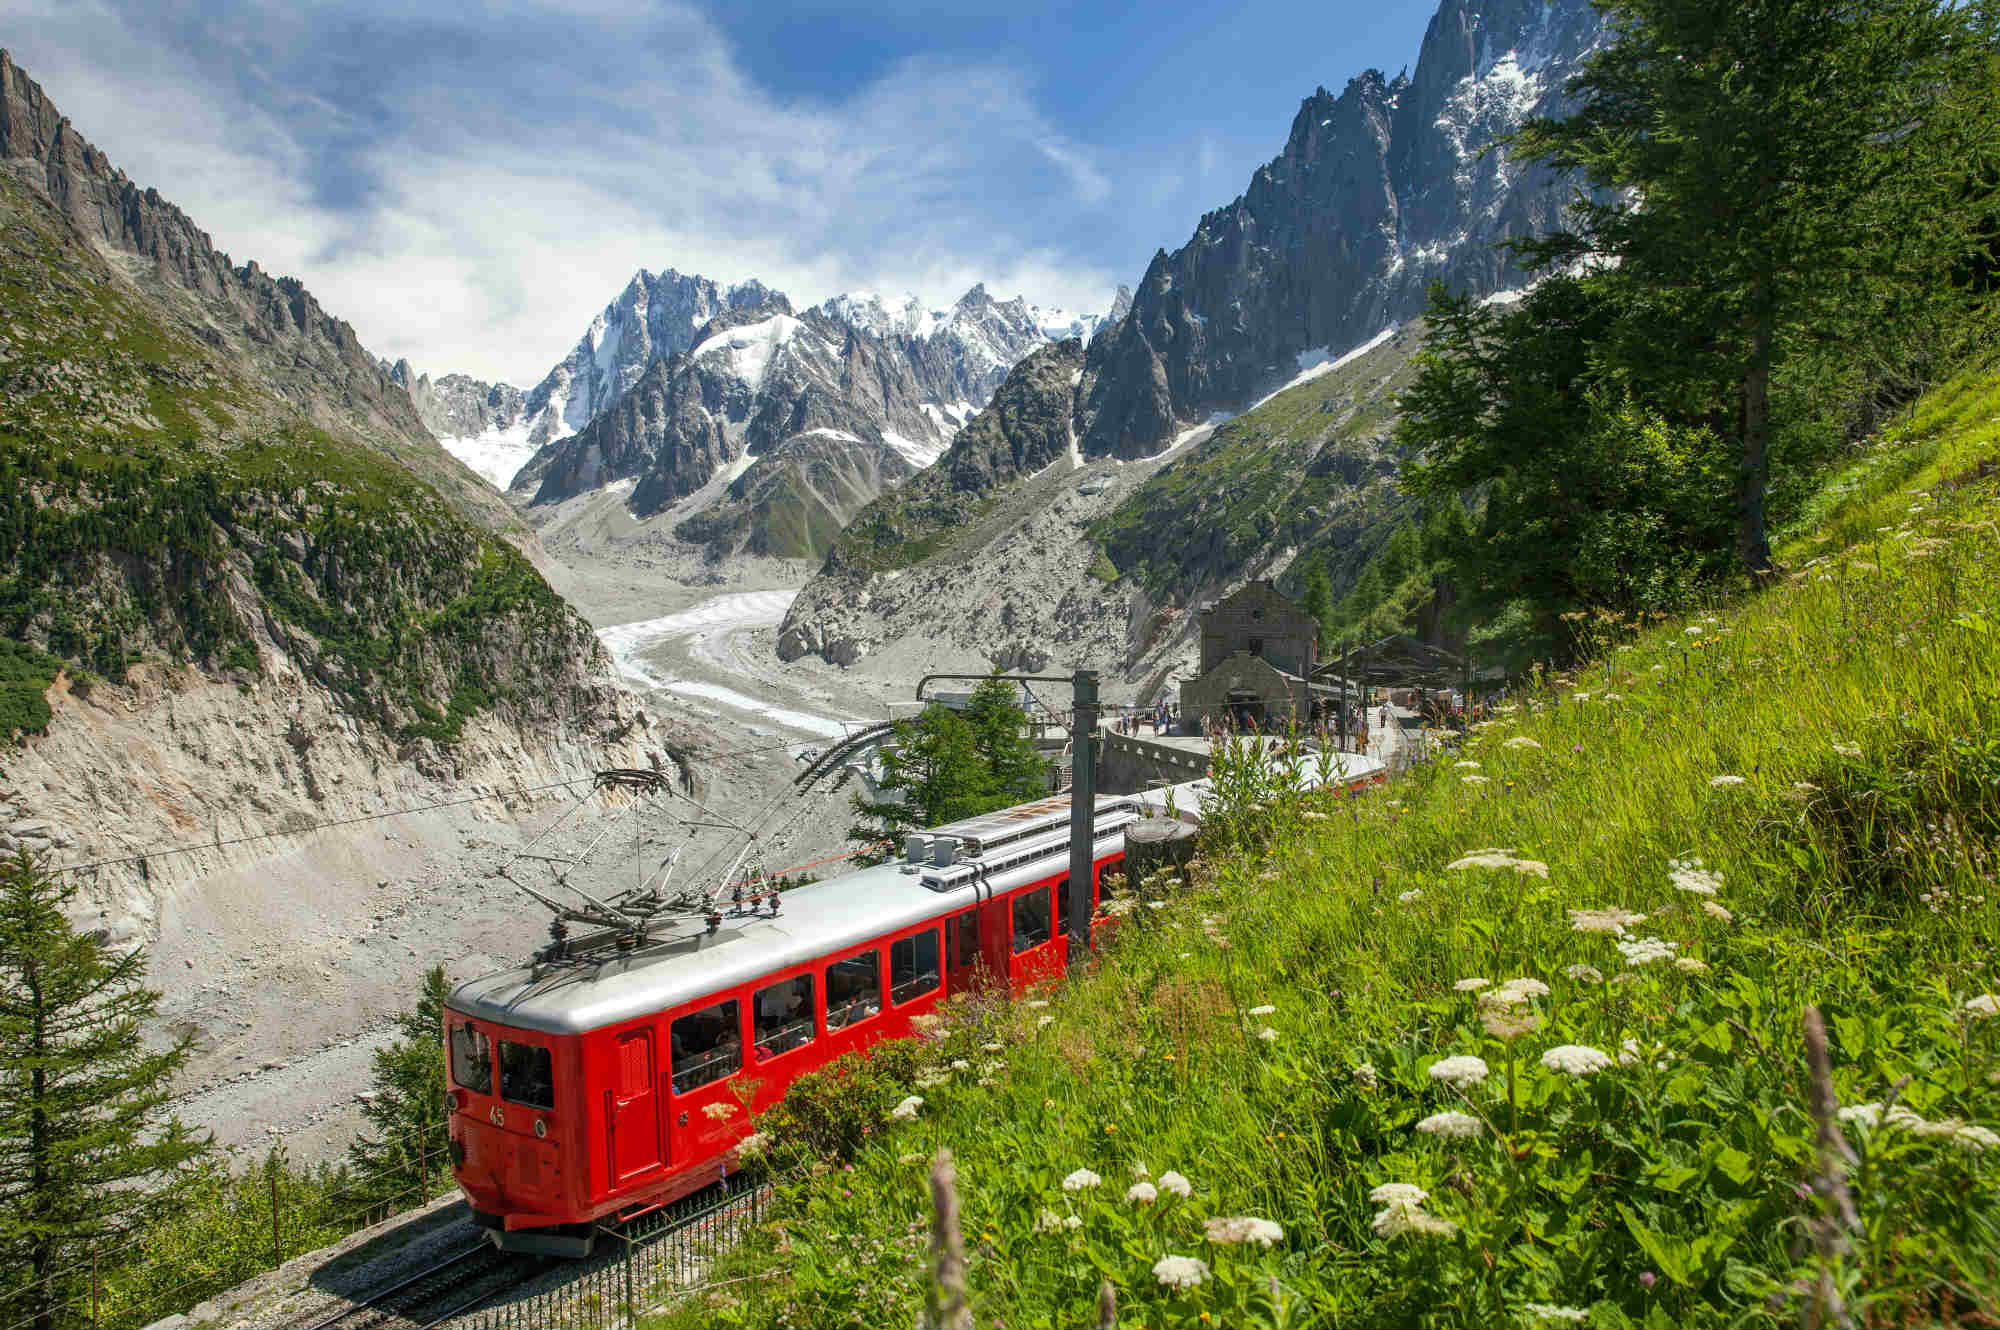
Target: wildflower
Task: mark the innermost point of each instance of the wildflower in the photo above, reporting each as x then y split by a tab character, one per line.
1365	1077
1499	859
1648	1278
1521	741
1976	1138
1035	1004
1043	1021
1180	1273
993	1048
1581	697
1049	1221
1576	1059
1173	1182
1865	1116
1542	1311
1450	1124
1467	765
1504	1022
930	1080
1689	875
1241	1229
1264	1010
1645	950
1404	898
1977	1007
1943	1127
1612	920
960	1064
1140	1172
908	1159
1724	782
1585	974
1459	1071
1141	1193
753	1146
718	1112
1714	911
1847	749
907	1110
1516	991
1693	631
1081	1180
1399	1193
1474	780
1393	1220
1268	1035
1472	985
1690	965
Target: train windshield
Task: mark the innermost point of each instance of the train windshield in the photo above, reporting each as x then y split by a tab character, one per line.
471	1059
527	1075
913	966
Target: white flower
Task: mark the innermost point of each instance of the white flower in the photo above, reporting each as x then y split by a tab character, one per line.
1180	1273
1268	1035
1645	950
1542	1311
1472	985
1044	1020
1866	1116
753	1146
1467	765
1499	859
1694	630
1518	990
1365	1077
1393	1220
1983	1005
1690	965
960	1064
1049	1222
1404	898
1173	1182
1847	749
993	1048
1242	1228
1714	911
1689	875
1585	974
908	1159
1576	1059
1581	697
1264	1010
1141	1193
1977	1138
1399	1193
1474	780
1459	1071
931	1080
1081	1180
1035	1004
1613	920
717	1112
1451	1124
1520	741
1724	782
907	1110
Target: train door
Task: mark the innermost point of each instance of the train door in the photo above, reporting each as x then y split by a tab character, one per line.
632	1107
964	964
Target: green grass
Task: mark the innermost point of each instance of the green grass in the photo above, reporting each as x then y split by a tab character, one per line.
1858	703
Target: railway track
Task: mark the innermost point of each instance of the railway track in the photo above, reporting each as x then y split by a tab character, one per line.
436	1293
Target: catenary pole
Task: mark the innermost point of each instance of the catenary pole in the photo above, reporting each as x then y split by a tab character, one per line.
1082	817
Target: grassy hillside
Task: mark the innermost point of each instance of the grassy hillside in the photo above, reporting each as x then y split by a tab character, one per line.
1793	801
1312	468
157	502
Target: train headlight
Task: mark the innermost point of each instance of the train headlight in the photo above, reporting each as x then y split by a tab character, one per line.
541	1128
451	1102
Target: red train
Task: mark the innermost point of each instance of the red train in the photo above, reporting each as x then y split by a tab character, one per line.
591	1089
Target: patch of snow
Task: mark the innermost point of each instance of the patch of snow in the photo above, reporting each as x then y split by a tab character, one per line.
749	349
918	455
1513	297
737	468
495	454
1312	364
823	432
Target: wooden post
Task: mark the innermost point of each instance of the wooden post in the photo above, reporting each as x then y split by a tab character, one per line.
277	1246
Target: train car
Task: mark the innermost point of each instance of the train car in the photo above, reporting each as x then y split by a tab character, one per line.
598	1085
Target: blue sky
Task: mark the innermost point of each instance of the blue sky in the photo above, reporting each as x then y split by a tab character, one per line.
468	183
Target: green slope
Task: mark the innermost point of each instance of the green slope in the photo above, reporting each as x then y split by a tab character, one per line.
1826	751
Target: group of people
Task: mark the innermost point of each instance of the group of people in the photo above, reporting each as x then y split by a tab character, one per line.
1162	717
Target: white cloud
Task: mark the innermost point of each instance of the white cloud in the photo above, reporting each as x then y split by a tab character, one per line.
467	190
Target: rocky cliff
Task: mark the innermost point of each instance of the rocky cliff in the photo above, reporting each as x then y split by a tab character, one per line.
1377	193
231	591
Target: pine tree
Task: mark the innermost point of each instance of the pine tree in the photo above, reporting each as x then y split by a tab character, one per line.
939	771
86	1157
1318	602
1786	176
403	1152
1016	772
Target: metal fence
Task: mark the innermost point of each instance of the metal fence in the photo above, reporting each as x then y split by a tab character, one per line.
635	1268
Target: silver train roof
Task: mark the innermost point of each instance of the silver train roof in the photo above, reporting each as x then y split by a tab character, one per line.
571	997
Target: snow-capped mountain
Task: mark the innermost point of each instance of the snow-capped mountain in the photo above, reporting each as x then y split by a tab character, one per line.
1377	193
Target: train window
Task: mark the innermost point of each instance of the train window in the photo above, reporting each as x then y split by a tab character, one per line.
1031	919
784	1016
853	989
527	1075
471	1059
707	1046
913	966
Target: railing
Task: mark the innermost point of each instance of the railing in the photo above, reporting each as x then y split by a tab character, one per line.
655	1258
